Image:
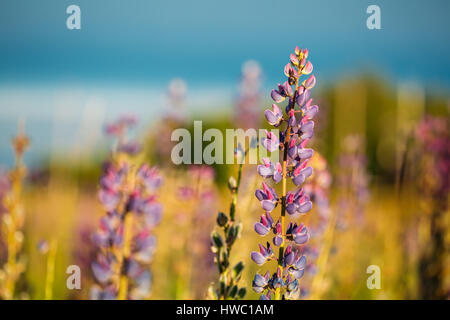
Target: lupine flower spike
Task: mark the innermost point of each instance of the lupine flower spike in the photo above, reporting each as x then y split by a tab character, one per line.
125	239
321	226
196	199
222	243
12	219
353	182
433	154
249	98
175	117
49	250
297	128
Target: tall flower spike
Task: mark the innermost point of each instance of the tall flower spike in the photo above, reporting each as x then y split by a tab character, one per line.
352	181
433	150
322	226
230	230
13	217
246	113
294	135
125	239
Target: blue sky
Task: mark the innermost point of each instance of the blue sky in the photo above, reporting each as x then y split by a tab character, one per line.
205	41
62	81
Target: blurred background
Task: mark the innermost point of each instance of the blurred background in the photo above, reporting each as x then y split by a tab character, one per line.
382	132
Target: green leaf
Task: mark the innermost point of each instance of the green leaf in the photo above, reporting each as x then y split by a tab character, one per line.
212	293
237	270
222	219
242	292
233	292
217	240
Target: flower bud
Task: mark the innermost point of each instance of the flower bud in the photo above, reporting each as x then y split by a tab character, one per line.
222	287
237	269
232	235
232	184
233	291
222	219
212	293
241	293
217	240
292	81
224	259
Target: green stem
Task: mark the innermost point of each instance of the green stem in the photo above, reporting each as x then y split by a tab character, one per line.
50	273
278	295
283	213
235	194
123	282
225	271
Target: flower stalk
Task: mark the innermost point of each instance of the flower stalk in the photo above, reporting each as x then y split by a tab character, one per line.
50	272
125	240
230	230
13	220
297	129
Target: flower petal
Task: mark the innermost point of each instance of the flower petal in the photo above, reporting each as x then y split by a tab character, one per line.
268	205
276	96
258	258
261	229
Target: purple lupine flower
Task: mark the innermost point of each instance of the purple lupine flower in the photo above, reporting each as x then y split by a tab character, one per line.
5	185
299	234
292	140
433	138
297	203
119	130
268	169
12	219
318	189
265	225
131	148
176	94
433	155
265	297
145	245
109	232
310	82
268	197
103	268
260	282
120	127
43	246
352	180
271	141
127	193
284	90
174	117
198	199
249	99
264	254
300	173
277	230
274	116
